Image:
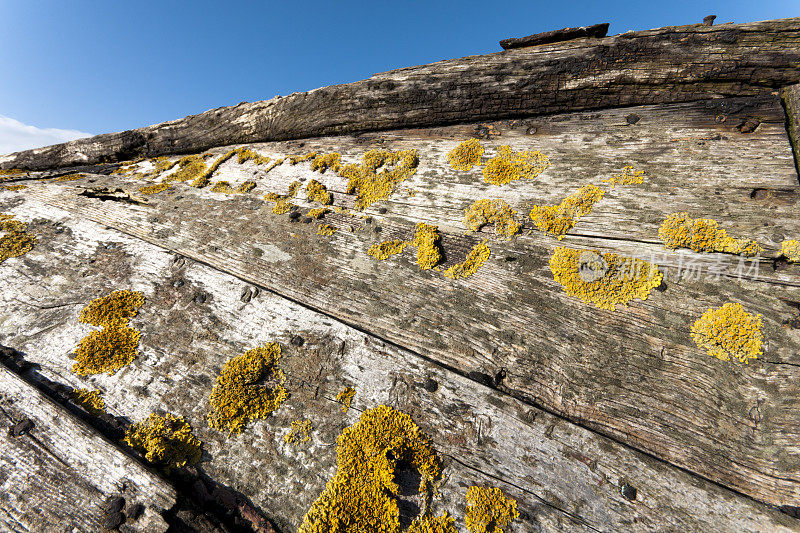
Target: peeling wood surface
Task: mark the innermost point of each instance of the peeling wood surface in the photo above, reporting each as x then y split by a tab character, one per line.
59	473
666	65
196	317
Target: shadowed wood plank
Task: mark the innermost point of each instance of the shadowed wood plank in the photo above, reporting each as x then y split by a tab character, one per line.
59	473
196	317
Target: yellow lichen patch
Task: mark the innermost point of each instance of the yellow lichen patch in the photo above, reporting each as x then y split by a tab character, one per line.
476	257
790	249
489	510
70	177
16	240
126	168
606	280
426	241
114	346
299	432
325	229
155	188
318	212
496	212
508	166
433	524
559	219
282	204
162	164
293	160
378	175
628	176
17	187
729	332
316	192
113	310
165	441
346	398
362	496
246	154
106	350
387	249
294	187
250	386
90	400
273	165
12	173
323	162
703	235
190	168
466	155
225	187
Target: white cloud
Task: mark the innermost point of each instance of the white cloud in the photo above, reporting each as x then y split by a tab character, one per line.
16	136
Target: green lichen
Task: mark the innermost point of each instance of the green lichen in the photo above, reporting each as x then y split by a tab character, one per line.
628	176
477	256
703	235
605	280
362	496
90	400
16	240
250	386
496	212
379	173
489	510
345	398
155	188
559	219
508	166
165	441
729	333
466	155
300	432
316	192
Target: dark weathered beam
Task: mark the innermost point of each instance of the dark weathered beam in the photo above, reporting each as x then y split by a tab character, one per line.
791	103
556	36
674	64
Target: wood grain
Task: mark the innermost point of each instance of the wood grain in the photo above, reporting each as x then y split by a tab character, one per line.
633	374
667	65
564	477
58	474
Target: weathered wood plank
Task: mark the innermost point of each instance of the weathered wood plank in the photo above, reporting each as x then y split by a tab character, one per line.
563	476
58	474
791	102
555	36
674	64
635	375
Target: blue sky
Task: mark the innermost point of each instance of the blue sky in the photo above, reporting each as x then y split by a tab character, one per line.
112	65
